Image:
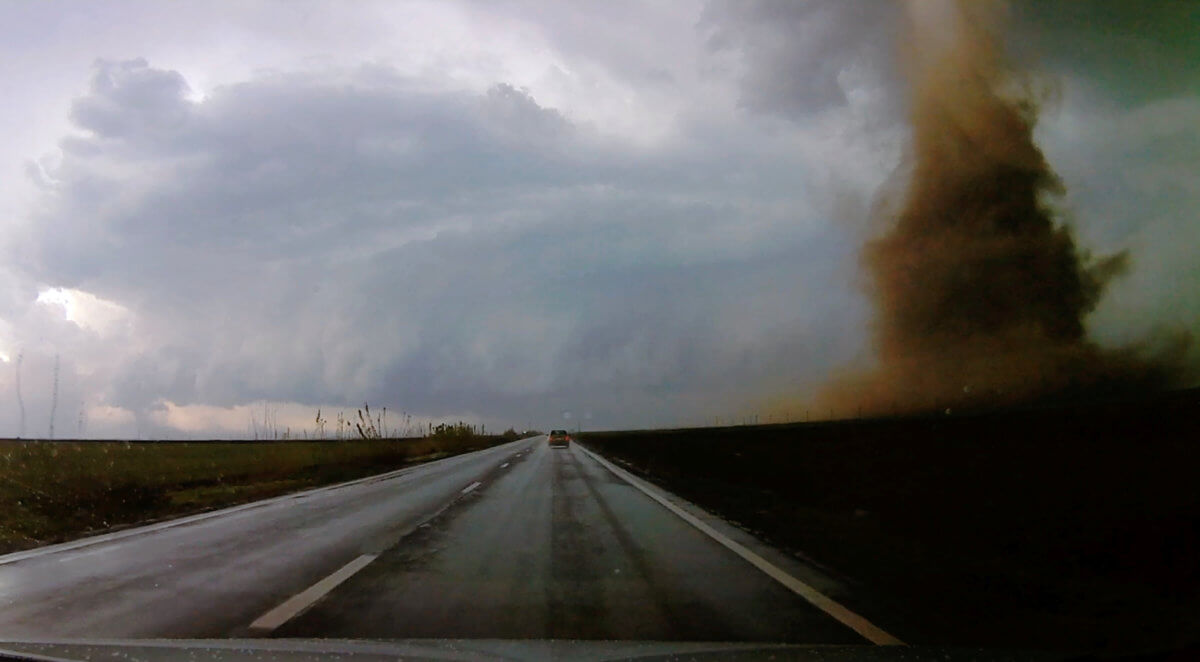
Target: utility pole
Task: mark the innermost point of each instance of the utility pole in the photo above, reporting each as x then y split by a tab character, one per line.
20	400
54	397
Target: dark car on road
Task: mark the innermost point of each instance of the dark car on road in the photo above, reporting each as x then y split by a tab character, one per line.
559	439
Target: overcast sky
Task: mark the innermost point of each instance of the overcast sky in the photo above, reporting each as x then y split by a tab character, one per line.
517	213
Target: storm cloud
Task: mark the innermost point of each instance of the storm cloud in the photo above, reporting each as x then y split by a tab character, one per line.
319	239
498	212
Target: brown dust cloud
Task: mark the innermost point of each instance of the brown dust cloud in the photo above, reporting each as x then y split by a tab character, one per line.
980	292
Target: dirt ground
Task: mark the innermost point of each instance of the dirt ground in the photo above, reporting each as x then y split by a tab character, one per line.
1055	528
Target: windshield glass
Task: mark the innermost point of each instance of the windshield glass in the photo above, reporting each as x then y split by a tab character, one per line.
830	322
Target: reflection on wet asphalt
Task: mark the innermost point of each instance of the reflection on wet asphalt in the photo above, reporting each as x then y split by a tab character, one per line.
556	547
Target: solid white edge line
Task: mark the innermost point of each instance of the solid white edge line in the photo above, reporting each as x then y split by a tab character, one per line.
295	605
470	487
835	609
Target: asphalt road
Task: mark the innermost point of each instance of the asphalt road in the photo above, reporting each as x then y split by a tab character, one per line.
514	542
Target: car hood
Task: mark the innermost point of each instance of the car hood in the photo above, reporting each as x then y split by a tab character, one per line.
298	650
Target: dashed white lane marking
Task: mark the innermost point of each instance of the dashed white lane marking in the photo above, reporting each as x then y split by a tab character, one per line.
295	605
504	465
835	609
472	486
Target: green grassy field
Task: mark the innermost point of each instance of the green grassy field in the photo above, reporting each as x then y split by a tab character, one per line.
1074	527
56	491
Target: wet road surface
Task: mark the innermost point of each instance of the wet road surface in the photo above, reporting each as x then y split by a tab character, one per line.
515	542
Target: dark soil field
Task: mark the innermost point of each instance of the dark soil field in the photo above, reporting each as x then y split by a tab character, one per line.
51	491
1071	527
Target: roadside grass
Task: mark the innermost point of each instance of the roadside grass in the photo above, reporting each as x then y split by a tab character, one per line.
1068	527
56	491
